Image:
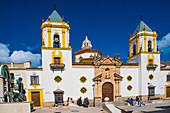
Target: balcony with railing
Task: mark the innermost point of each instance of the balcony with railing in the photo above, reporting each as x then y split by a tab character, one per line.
151	66
54	66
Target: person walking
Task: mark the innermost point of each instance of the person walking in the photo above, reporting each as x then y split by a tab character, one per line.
72	100
68	101
141	102
137	99
132	102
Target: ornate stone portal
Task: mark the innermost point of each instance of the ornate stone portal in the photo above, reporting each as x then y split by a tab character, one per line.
107	78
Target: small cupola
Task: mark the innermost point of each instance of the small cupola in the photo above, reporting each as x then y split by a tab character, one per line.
86	44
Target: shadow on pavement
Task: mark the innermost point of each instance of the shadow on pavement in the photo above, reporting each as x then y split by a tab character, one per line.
163	107
166	109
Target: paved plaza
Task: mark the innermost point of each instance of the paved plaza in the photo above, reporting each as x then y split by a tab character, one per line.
69	109
163	107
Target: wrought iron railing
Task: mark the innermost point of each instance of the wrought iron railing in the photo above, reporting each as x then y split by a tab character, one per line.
151	66
57	66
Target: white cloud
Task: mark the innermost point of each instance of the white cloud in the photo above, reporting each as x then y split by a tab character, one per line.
4	51
164	44
18	56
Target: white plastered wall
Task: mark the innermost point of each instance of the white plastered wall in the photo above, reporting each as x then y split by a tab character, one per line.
48	75
89	74
133	72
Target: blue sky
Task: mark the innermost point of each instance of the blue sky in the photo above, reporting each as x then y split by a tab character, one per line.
108	23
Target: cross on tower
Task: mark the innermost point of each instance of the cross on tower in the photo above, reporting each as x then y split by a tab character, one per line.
86	33
141	17
54	5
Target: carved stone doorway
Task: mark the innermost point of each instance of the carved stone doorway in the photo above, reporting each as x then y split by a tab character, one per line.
107	91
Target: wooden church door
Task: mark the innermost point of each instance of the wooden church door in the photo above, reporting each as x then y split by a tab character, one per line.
107	91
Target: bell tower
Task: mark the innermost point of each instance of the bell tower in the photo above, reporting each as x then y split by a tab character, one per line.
56	54
143	40
55	32
144	52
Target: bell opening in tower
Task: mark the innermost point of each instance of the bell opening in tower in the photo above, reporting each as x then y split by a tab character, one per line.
134	49
149	46
56	42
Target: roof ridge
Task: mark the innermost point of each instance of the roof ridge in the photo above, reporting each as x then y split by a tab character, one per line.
55	17
141	26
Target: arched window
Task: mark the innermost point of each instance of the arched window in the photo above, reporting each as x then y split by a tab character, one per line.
134	49
56	42
149	46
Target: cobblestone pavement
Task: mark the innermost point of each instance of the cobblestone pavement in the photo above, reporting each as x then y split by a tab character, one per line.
163	107
69	109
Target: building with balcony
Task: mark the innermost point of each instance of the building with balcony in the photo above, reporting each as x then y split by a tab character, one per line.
59	77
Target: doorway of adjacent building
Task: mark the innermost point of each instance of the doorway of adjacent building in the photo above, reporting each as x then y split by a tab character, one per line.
58	95
59	98
107	91
168	92
35	96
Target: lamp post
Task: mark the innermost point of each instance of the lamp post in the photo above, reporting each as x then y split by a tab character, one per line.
148	92
93	95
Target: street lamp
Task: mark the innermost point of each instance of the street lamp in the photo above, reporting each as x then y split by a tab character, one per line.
148	92
93	95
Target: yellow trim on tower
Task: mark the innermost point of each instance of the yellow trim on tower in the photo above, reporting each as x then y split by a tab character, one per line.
151	75
137	45
49	37
145	45
56	32
56	48
165	90
54	55
55	26
142	34
150	58
60	78
63	36
144	52
41	95
127	78
130	49
85	91
82	77
154	44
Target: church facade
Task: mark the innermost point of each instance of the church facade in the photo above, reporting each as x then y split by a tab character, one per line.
60	77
